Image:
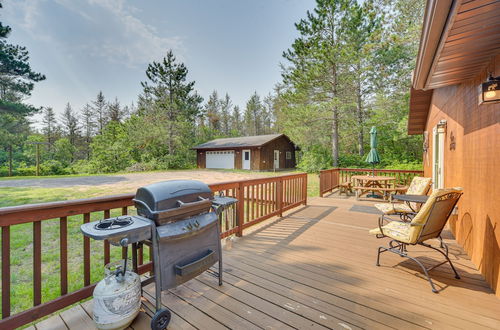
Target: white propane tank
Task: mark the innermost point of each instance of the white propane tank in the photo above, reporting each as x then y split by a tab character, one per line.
117	300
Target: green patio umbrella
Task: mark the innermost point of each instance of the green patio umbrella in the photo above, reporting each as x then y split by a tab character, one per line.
373	157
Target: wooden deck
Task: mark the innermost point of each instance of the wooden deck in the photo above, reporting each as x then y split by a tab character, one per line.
315	269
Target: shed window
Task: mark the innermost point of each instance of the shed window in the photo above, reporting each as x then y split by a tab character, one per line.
288	155
247	155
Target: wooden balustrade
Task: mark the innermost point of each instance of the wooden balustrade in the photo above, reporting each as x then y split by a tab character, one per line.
331	178
259	199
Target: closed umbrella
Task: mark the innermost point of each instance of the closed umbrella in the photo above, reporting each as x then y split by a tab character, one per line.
373	157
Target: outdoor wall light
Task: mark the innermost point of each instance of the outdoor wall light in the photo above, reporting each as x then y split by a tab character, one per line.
490	90
441	126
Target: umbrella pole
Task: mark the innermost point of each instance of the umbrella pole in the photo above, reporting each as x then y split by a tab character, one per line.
372	195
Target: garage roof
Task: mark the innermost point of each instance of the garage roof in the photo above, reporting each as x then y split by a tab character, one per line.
239	142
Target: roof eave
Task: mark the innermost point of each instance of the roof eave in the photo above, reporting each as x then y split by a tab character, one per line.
437	17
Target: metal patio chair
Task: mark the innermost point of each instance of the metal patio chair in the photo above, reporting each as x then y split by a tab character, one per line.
418	186
426	224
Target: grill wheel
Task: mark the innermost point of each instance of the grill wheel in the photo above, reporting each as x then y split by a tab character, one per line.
161	319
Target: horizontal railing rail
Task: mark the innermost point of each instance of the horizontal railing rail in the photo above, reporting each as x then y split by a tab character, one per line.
259	199
331	179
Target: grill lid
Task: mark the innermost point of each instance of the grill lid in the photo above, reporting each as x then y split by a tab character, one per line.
173	200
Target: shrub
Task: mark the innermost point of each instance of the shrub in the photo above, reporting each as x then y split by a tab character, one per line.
25	171
144	167
53	167
82	166
315	159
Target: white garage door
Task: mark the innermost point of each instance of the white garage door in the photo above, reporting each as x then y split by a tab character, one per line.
220	159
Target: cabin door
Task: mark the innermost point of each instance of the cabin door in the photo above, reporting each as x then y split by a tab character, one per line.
246	159
438	159
276	159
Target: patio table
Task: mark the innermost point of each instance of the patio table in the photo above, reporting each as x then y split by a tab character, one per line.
408	199
366	183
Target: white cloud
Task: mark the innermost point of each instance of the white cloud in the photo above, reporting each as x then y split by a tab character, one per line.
25	12
134	42
119	35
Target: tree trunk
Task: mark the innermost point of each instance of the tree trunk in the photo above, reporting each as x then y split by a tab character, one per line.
170	139
335	137
335	121
361	148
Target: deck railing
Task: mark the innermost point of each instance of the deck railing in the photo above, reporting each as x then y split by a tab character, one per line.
332	178
259	199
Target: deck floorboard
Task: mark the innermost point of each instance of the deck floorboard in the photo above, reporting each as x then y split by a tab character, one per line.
315	269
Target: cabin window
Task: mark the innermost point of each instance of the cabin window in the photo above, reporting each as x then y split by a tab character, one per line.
288	155
247	155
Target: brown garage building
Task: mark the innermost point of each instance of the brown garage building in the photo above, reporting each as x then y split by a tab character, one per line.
259	153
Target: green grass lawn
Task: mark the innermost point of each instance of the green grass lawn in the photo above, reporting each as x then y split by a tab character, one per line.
22	240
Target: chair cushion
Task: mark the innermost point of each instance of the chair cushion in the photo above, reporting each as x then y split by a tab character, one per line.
409	232
396	230
419	186
392	208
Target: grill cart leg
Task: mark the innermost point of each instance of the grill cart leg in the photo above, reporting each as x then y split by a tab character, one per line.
161	319
220	265
220	251
156	265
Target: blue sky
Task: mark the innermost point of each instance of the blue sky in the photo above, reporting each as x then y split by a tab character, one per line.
84	46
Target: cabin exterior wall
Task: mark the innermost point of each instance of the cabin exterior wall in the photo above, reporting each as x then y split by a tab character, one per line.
261	158
471	161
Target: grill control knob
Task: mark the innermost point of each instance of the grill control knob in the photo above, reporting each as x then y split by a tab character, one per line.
124	242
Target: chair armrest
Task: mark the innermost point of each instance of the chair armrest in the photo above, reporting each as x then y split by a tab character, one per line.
401	188
380	224
381	220
389	219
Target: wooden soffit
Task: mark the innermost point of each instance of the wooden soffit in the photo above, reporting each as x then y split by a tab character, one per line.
420	102
459	38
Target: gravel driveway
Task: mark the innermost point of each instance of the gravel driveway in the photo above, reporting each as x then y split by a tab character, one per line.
132	181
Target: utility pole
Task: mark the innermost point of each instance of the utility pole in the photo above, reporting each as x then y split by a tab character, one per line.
37	145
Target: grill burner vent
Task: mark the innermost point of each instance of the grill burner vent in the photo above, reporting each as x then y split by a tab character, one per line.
114	223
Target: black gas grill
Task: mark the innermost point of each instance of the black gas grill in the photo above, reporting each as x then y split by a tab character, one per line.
179	219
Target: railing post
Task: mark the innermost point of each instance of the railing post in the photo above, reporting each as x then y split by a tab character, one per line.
240	209
37	263
319	180
332	180
279	196
86	254
5	271
304	189
63	254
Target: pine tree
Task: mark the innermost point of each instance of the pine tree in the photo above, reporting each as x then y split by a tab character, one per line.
363	31
317	63
225	114
171	100
236	125
212	111
70	124
115	112
89	127
253	115
16	76
49	122
268	114
100	109
17	81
